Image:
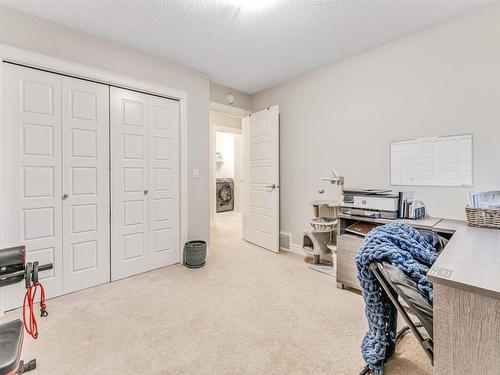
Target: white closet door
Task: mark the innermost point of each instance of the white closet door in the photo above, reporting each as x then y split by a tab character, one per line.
85	134
129	183
32	151
163	182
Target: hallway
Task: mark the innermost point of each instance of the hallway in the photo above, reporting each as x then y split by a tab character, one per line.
227	223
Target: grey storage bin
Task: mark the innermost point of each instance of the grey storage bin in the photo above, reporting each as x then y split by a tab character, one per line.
195	253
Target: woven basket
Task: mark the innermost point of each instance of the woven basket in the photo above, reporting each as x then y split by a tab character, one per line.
195	253
483	217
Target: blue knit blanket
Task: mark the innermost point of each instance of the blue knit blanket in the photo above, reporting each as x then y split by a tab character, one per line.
405	248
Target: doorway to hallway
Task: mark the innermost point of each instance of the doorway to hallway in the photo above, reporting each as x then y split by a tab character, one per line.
244	172
226	157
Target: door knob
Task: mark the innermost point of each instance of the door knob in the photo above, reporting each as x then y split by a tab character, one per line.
273	186
66	195
145	192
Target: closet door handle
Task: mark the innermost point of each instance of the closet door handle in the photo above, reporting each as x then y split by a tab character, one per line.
145	192
273	186
65	196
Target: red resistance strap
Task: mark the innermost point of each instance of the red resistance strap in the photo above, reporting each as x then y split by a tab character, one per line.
29	298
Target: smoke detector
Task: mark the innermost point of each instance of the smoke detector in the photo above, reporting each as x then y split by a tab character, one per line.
230	99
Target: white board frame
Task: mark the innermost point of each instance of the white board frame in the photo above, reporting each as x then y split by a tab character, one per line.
432	139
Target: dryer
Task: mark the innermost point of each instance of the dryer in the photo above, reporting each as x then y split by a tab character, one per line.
225	194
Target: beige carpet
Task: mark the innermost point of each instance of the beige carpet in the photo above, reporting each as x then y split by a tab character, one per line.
248	311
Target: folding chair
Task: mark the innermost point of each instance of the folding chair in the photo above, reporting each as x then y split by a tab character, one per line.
397	287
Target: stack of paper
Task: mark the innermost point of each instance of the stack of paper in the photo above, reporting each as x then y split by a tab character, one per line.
486	199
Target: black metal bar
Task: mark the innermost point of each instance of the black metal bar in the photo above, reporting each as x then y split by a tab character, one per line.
45	267
389	290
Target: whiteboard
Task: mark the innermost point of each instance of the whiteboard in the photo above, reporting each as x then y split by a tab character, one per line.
437	161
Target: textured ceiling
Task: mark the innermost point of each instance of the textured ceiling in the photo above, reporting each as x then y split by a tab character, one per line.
250	45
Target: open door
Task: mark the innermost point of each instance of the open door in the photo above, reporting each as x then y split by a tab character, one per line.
261	208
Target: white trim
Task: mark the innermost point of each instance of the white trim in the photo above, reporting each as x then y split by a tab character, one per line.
229	109
211	176
245	122
55	65
183	192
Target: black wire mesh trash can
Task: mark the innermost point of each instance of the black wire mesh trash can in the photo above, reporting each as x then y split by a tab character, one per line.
195	253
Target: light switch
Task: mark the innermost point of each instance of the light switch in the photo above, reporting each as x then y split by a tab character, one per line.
196	173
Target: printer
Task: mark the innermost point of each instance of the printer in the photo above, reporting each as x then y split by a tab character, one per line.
374	203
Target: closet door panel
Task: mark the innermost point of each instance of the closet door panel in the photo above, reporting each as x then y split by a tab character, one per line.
86	244
32	151
163	182
129	183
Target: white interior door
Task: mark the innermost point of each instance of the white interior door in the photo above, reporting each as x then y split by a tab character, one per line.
85	134
163	182
129	183
261	179
32	184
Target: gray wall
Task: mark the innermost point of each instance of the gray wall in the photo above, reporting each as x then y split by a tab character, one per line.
218	94
442	81
24	31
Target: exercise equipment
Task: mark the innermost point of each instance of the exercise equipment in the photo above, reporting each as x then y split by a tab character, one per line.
14	269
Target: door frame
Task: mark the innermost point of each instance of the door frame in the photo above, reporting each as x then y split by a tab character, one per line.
35	60
214	129
236	112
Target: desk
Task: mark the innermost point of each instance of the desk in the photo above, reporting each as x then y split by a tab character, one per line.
466	279
349	244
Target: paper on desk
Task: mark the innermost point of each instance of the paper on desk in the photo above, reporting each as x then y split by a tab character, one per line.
486	199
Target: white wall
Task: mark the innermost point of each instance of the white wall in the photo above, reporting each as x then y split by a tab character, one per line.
442	81
224	145
224	120
31	33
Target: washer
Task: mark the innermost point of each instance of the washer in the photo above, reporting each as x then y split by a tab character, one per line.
225	194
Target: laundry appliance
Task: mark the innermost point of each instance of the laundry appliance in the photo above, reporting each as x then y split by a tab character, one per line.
225	194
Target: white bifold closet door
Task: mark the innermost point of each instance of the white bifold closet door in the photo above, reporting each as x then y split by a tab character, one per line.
144	182
56	150
85	173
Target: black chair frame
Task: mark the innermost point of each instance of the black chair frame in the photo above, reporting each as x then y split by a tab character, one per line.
427	344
